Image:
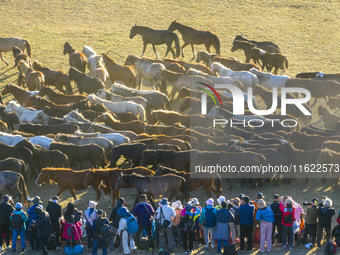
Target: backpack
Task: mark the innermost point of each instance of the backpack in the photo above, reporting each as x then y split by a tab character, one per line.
288	219
330	247
132	225
52	243
210	218
237	216
229	249
189	224
105	232
143	244
16	222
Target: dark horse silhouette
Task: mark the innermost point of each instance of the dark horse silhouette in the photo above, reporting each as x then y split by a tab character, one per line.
266	45
156	37
76	58
192	36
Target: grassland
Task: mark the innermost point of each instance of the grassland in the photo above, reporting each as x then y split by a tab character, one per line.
306	31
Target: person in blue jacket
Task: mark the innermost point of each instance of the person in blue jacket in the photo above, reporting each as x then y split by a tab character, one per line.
32	217
18	226
222	233
265	216
246	211
208	219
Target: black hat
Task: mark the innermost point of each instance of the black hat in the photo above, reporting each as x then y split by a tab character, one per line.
55	198
259	195
276	196
246	199
240	196
100	212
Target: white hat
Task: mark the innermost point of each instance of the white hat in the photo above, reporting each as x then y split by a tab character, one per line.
92	204
328	202
221	199
177	205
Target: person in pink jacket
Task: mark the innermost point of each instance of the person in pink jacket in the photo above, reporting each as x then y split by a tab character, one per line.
288	218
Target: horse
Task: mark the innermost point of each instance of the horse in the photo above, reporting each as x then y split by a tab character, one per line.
19	55
66	178
276	60
234	64
205	57
76	58
196	37
34	79
95	64
267	45
122	73
187	66
26	115
155	185
14	165
9	118
248	79
269	80
39	103
56	78
6	44
10	139
156	37
196	180
19	94
120	107
14	183
76	117
106	130
115	138
84	82
145	69
218	111
135	126
59	98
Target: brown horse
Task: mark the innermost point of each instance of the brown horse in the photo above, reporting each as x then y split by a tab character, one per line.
76	58
38	102
19	55
187	66
119	72
234	64
155	185
59	78
110	176
276	60
135	126
266	45
196	37
34	79
66	178
19	94
195	180
60	98
6	44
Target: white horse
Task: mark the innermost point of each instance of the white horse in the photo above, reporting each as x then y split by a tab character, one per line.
95	64
25	115
10	139
218	112
248	79
43	141
76	117
216	80
115	138
269	80
146	69
119	107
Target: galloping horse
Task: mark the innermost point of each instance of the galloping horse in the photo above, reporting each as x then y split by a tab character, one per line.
76	58
267	46
156	37
192	36
6	44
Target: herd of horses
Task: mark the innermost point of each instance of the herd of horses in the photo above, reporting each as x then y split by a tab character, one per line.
126	137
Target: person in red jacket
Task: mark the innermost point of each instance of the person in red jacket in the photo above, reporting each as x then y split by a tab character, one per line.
288	218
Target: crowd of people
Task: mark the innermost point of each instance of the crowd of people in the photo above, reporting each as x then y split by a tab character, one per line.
226	224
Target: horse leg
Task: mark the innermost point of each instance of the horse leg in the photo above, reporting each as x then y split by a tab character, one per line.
60	191
154	49
74	196
193	51
97	192
139	82
207	190
182	48
207	46
151	83
2	57
172	51
144	48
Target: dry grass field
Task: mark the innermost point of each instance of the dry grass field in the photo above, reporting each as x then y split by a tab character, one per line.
307	32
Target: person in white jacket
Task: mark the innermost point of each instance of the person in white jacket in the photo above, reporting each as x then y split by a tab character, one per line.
127	240
90	215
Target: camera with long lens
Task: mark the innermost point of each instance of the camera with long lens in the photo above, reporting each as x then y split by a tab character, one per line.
307	203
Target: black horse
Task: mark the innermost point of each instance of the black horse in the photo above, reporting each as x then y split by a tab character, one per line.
192	36
85	83
266	45
156	37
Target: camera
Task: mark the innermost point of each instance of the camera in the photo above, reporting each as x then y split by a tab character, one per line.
307	203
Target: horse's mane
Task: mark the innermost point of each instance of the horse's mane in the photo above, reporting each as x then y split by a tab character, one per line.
163	111
59	169
331	151
14	103
245	43
332	141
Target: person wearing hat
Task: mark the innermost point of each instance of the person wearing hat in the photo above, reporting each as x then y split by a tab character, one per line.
275	206
72	221
235	225
222	233
164	214
128	242
246	223
311	223
44	228
208	219
196	209
219	201
265	216
326	212
90	215
177	206
256	222
32	217
298	218
115	217
6	208
54	210
96	223
187	226
18	226
288	218
144	213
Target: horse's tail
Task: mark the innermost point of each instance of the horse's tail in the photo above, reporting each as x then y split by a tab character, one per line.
23	188
82	65
134	83
218	183
28	48
23	171
68	86
178	48
286	62
217	45
167	104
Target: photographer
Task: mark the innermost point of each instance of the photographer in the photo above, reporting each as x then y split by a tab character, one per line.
6	208
32	218
72	229
311	222
44	228
325	219
288	218
275	206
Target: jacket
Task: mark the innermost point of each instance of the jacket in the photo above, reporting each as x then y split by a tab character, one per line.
5	213
286	212
168	213
247	214
97	223
144	212
203	214
31	215
223	217
54	210
115	217
43	225
275	206
312	215
325	216
24	217
90	216
265	214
